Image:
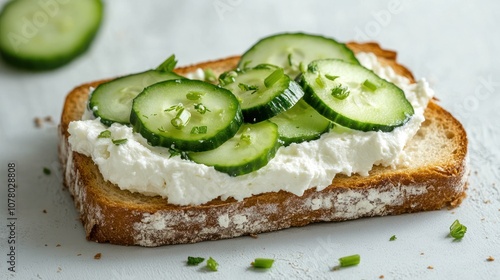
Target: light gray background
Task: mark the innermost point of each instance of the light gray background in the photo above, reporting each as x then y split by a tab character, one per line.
454	44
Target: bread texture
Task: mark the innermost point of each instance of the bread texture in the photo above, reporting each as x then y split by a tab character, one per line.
436	178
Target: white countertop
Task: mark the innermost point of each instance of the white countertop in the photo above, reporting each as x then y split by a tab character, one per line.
454	44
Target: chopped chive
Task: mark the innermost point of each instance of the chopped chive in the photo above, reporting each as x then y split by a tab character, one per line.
290	59
199	130
181	119
369	85
302	67
193	95
46	171
201	108
145	116
331	77
210	75
262	263
245	65
195	260
313	68
340	92
246	87
457	230
319	82
349	260
274	77
212	264
168	65
227	78
174	152
393	238
119	141
175	107
104	134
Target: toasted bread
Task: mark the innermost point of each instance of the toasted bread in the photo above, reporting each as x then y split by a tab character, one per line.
436	178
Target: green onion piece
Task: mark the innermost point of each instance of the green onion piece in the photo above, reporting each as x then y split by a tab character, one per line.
319	82
168	65
104	134
119	141
274	77
313	68
262	263
290	59
201	108
212	264
181	119
175	107
195	260
46	171
369	85
349	260
199	130
174	152
393	238
340	92
227	78
457	230
193	95
302	67
210	75
331	77
245	87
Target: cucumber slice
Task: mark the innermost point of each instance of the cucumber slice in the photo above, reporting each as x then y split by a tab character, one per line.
187	115
112	101
291	51
250	149
300	123
42	35
353	96
263	91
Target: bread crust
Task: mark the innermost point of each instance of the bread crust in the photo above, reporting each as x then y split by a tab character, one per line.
121	217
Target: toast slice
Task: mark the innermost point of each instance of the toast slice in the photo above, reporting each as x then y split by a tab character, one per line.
436	178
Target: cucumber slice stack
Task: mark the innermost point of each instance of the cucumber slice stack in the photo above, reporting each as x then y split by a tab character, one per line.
238	125
41	35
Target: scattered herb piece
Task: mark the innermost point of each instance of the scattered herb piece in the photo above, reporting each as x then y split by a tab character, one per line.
319	81
290	59
227	78
201	108
181	119
245	65
212	264
331	77
195	260
340	92
174	152
262	263
119	141
313	68
199	130
457	230
349	260
245	87
274	77
193	95
393	238
210	75
369	85
168	65
175	107
104	134
302	67
46	171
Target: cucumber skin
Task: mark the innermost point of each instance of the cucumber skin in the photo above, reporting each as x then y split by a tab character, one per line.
37	64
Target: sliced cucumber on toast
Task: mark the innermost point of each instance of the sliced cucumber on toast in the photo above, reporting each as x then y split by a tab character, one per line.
42	35
354	96
292	51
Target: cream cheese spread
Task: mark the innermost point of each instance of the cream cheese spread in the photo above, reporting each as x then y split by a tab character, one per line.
139	167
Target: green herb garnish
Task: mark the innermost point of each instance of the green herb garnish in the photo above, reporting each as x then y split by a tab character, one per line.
181	119
457	230
393	238
168	65
212	264
313	68
201	108
228	78
349	260
193	95
302	67
210	75
331	77
119	141
340	92
175	107
262	263
246	87
46	171
290	59
245	65
104	134
195	260
199	130
319	82
369	85
174	152
274	77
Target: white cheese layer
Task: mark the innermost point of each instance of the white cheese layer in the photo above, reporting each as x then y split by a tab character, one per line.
139	167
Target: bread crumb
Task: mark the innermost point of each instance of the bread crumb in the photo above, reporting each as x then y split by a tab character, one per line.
58	245
430	267
254	235
46	245
44	211
422	253
40	121
487	201
97	256
59	269
78	255
381	277
483	218
490	259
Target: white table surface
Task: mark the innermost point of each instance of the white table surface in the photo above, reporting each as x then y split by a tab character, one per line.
454	44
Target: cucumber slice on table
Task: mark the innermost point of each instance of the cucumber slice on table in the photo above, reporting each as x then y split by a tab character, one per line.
250	149
353	96
112	101
263	91
300	123
291	51
187	115
47	34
